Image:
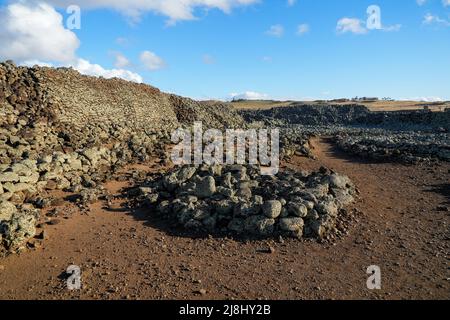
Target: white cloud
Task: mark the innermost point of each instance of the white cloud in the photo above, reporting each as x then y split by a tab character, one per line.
249	95
432	19
35	32
352	25
303	29
276	31
267	59
421	2
357	26
291	2
175	10
446	3
121	61
90	69
87	68
151	61
34	62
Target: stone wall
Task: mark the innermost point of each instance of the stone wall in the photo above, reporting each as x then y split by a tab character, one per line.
90	107
309	114
349	115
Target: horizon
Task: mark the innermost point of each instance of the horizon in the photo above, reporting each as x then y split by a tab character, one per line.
225	50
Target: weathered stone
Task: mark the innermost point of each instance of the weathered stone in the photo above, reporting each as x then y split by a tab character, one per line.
338	181
18	229
206	187
18	187
245	209
145	190
21	169
6	196
200	214
227	180
185	174
245	193
152	198
313	215
9	187
323	226
227	192
259	225
93	155
291	224
171	182
272	209
33	178
224	207
297	209
327	208
216	170
89	196
7	209
342	196
75	164
257	200
9	177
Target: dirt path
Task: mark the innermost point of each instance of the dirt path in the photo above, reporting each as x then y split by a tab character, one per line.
126	255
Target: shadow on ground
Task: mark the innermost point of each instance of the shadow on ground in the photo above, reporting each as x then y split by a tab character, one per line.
442	189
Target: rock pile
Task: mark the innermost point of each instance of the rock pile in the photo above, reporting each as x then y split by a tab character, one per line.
406	147
239	200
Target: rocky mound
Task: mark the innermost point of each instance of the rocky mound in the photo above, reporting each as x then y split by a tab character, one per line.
237	199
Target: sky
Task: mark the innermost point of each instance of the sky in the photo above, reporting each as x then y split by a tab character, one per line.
220	49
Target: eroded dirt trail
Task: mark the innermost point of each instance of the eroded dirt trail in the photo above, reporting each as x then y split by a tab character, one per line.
126	255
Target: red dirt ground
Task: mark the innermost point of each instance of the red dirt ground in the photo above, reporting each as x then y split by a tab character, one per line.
125	255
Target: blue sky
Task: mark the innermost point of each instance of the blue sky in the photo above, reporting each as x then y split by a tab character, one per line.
219	53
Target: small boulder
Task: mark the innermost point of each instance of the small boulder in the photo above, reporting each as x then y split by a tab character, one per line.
206	187
297	209
272	209
7	209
